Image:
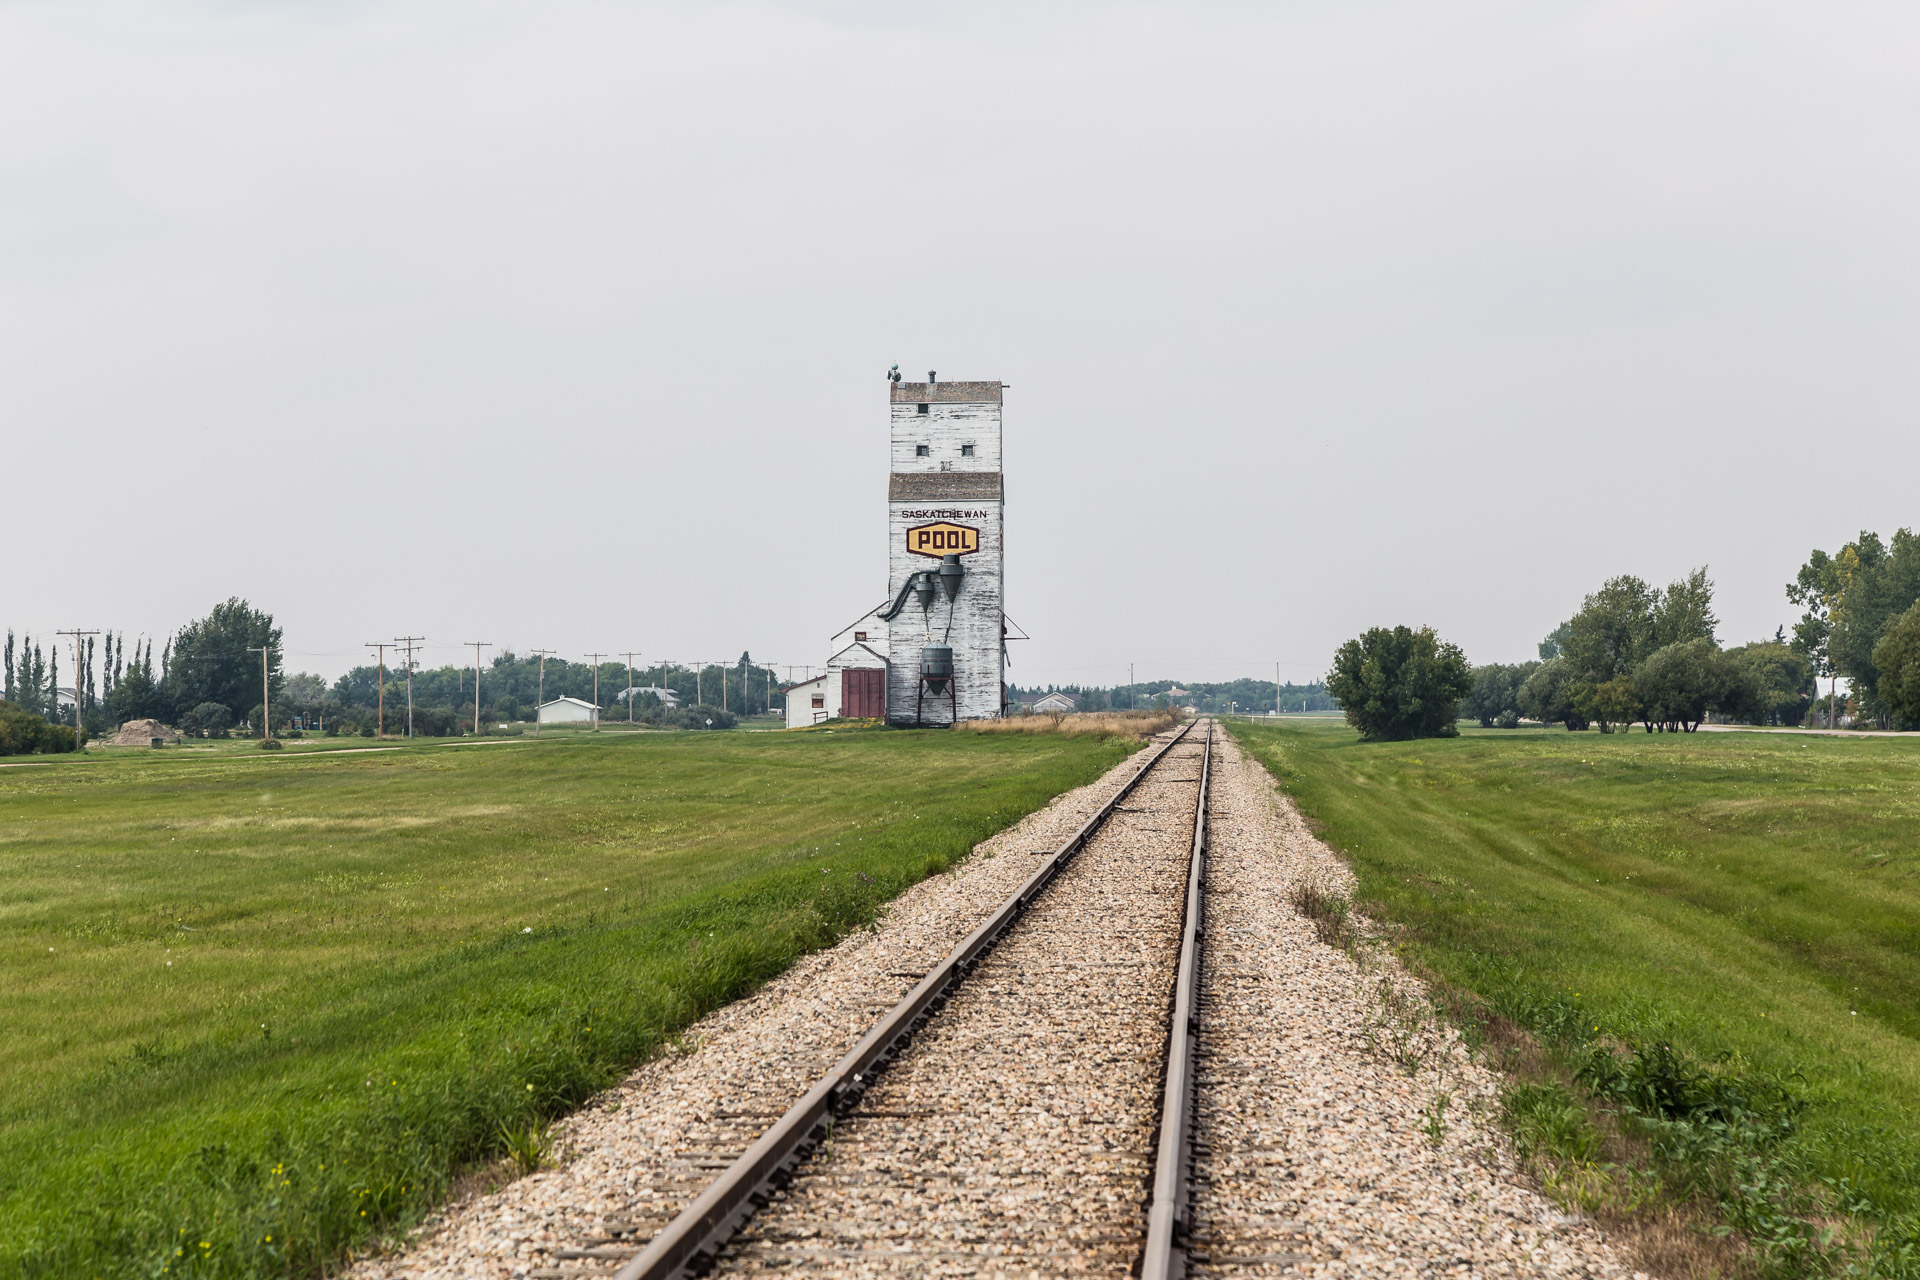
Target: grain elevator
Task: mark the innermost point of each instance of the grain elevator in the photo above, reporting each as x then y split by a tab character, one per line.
933	650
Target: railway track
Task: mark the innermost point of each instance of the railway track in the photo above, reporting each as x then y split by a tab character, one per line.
1113	1075
1030	1100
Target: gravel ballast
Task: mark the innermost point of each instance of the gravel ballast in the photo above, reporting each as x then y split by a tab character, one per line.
1342	1131
1014	1135
638	1154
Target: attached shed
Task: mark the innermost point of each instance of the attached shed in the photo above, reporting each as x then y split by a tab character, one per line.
568	711
806	702
857	682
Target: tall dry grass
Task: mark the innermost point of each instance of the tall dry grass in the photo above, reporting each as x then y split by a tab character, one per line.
1133	724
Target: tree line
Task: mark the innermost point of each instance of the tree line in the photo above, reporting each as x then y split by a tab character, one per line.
207	679
204	671
512	688
1243	696
1637	654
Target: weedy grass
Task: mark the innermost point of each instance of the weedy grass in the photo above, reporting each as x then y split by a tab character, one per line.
1098	723
1697	955
261	1009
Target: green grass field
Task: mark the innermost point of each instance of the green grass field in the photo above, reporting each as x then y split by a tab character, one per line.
1751	901
258	1006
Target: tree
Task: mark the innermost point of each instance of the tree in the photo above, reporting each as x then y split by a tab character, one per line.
1612	632
209	662
1679	683
1495	695
1782	682
1400	683
1851	598
1545	696
1897	659
1556	641
1684	611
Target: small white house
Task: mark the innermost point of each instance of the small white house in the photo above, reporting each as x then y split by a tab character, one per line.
806	702
568	711
1054	704
668	698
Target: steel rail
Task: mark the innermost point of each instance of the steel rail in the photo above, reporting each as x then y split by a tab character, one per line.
1170	1213
690	1244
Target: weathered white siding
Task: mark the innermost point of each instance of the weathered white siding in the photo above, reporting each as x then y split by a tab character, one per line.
946	484
800	709
869	630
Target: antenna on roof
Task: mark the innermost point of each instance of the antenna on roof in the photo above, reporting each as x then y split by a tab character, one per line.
893	374
930	378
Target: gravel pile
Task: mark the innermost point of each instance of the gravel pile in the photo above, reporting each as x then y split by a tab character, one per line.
1013	1135
638	1154
1346	1132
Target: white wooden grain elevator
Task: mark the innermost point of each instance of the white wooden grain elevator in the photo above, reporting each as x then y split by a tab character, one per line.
933	650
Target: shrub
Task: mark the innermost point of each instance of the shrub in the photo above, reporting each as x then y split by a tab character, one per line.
208	720
697	715
21	732
1400	684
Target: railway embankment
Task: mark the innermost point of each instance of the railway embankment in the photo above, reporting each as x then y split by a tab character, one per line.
1340	1131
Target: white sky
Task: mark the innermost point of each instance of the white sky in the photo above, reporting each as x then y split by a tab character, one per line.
564	324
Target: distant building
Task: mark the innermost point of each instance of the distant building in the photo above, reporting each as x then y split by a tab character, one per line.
1054	704
568	711
668	698
63	700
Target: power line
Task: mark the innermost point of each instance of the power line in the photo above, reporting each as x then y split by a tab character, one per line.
596	689
380	703
540	697
477	646
630	655
409	642
266	693
79	683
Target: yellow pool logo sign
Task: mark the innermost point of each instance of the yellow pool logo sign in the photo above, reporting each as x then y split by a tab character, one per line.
942	539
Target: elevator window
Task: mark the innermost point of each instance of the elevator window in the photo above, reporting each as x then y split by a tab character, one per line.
919	451
966	451
922	409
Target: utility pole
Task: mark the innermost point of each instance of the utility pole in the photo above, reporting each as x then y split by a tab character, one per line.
1130	690
409	642
266	694
596	689
699	669
477	646
630	656
1276	691
540	698
79	683
380	715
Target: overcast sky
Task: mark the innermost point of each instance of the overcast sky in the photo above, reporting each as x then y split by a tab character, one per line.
565	324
